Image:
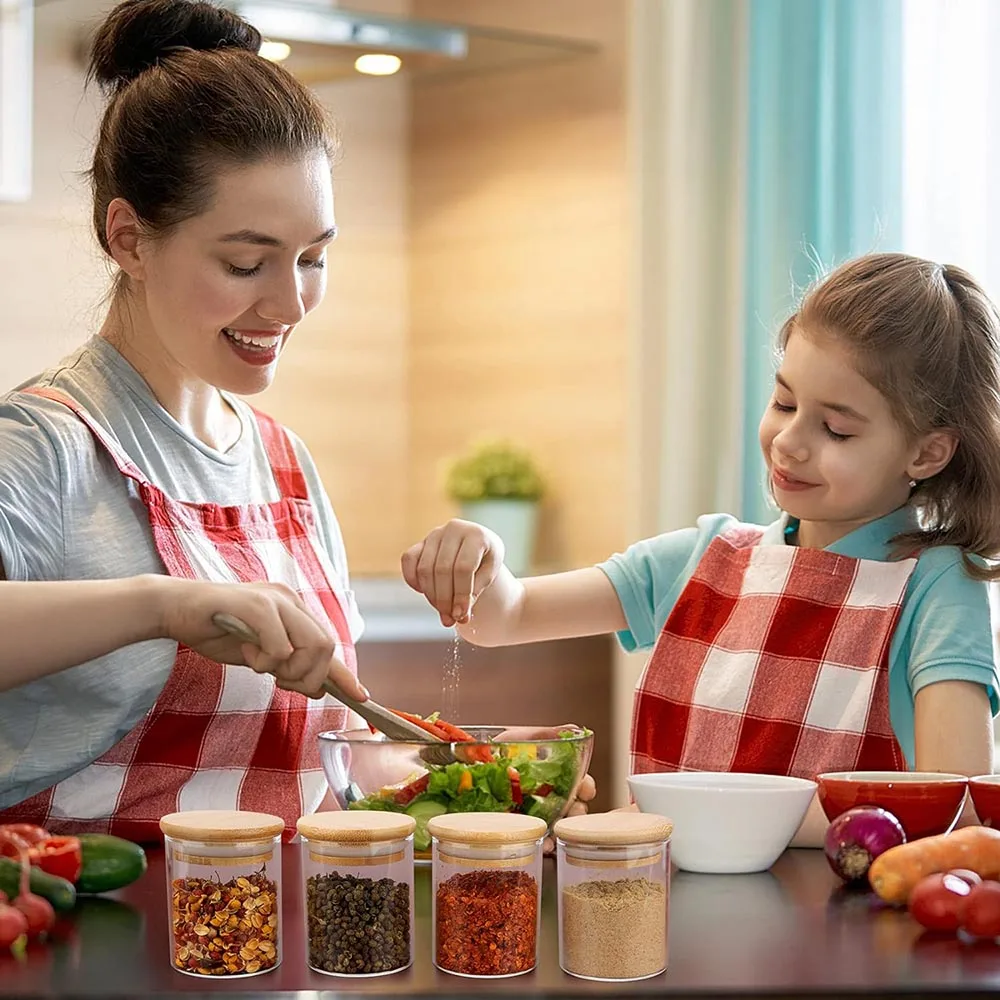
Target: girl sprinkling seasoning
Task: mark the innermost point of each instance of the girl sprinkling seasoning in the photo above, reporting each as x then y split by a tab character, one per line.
854	632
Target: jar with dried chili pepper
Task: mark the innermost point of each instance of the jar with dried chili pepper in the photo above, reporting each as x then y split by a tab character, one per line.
487	880
224	891
357	869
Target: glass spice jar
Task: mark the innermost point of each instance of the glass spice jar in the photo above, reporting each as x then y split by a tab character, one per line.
223	891
614	892
357	870
487	877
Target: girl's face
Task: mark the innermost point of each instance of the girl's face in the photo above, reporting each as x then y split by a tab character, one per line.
835	454
224	291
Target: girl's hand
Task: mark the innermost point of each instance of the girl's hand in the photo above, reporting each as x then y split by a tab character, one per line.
294	647
452	566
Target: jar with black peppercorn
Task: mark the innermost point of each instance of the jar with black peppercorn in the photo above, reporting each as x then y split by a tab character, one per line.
357	870
224	891
487	875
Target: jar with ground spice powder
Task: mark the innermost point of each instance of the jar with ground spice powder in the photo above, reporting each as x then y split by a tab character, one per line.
614	890
357	870
224	891
487	876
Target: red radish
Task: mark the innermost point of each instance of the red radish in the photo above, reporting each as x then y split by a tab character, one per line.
37	912
982	912
938	902
13	924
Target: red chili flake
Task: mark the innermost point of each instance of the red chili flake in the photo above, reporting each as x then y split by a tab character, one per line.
487	923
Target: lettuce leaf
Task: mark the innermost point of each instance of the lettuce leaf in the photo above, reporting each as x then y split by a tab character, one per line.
490	786
559	769
377	803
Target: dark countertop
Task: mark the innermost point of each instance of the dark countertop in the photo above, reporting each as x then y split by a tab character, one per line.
784	932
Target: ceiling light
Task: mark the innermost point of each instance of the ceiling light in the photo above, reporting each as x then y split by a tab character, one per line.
377	64
275	51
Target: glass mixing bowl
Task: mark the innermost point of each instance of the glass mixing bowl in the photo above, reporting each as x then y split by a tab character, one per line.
500	772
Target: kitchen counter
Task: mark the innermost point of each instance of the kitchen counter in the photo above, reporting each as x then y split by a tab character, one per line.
789	931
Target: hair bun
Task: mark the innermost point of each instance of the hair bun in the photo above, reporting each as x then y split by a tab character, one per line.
138	34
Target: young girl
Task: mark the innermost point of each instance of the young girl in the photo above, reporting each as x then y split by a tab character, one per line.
852	633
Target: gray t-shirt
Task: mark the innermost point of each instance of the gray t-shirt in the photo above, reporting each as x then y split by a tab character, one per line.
66	513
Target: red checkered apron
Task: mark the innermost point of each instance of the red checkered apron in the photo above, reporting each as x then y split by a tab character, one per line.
774	660
221	737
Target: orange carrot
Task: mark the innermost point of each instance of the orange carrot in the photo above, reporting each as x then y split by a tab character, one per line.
894	873
428	727
479	754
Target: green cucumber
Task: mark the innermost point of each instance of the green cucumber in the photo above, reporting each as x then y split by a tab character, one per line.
57	891
108	863
424	810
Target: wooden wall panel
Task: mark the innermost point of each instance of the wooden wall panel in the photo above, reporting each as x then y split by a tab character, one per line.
342	383
518	272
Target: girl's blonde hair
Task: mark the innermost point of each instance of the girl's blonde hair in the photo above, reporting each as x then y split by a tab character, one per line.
928	338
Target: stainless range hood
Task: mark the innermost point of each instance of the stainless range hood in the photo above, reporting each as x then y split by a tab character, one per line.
325	41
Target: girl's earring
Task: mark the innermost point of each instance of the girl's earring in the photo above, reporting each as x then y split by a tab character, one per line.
913	483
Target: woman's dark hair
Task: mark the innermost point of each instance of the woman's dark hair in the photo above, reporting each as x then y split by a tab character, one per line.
189	94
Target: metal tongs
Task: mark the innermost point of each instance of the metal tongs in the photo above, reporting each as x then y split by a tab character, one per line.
385	721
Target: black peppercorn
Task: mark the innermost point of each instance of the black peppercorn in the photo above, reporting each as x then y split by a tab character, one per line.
357	926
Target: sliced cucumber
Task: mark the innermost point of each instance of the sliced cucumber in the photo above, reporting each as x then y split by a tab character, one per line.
424	810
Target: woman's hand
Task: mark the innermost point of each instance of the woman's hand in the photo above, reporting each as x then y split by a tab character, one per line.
452	566
294	647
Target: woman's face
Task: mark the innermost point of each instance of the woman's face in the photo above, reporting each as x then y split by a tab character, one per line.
224	291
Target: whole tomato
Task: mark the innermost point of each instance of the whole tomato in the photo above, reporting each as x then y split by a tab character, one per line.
982	910
938	902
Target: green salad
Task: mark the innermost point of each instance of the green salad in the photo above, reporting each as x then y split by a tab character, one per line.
514	780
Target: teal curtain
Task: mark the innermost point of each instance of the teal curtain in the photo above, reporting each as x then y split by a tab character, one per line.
824	158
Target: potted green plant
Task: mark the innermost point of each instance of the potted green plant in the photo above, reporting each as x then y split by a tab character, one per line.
498	486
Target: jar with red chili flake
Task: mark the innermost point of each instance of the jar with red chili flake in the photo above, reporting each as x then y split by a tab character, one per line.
487	892
224	891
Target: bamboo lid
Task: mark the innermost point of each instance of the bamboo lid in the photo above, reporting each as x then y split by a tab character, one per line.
614	829
356	826
221	826
487	828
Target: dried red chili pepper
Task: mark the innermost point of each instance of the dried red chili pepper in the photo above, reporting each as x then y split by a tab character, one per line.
487	923
226	928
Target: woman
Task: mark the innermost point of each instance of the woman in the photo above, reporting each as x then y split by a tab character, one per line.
135	459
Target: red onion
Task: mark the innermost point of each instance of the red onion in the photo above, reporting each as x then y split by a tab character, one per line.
857	837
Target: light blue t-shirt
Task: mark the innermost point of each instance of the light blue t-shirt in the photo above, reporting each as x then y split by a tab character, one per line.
943	634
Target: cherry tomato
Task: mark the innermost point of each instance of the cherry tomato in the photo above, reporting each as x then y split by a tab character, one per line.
973	878
938	902
982	910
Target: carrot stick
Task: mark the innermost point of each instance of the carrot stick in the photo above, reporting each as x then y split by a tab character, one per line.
894	873
428	727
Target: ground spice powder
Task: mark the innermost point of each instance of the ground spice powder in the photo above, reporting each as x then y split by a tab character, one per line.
357	926
487	923
614	929
225	928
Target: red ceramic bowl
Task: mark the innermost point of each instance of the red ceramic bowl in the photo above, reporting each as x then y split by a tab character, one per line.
924	803
985	792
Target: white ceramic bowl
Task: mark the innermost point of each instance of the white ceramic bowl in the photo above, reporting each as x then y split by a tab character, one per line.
725	822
